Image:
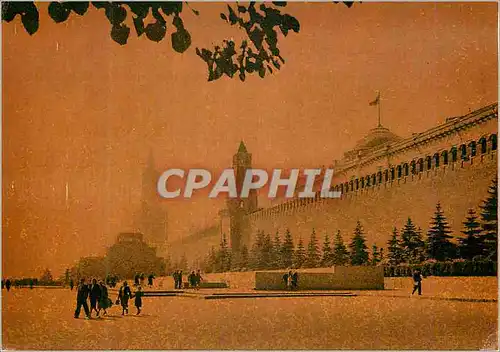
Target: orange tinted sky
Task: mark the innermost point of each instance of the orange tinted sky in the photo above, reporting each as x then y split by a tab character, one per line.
78	107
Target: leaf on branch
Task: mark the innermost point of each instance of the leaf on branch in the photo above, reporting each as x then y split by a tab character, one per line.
58	12
30	19
279	3
120	33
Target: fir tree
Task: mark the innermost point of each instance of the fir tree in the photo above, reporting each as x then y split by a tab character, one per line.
277	249
358	250
472	244
224	257
257	249
211	261
439	246
412	245
313	255
287	252
376	256
267	252
489	221
327	259
300	254
243	257
340	253
395	253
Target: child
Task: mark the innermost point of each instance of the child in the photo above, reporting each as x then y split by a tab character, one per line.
138	299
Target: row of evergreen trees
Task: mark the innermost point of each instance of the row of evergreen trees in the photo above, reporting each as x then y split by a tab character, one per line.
480	242
273	253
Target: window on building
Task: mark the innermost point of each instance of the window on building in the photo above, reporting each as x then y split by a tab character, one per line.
356	182
454	154
362	182
405	169
386	175
463	152
393	173
400	173
436	159
420	164
379	177
351	185
483	145
367	181
341	188
413	167
493	140
473	148
374	179
444	154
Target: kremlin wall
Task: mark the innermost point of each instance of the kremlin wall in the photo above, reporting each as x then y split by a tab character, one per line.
384	180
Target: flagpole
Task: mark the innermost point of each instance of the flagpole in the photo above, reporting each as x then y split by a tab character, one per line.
379	103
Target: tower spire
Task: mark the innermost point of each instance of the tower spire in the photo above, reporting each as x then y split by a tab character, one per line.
242	148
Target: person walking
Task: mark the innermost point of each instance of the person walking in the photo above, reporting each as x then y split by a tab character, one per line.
179	279
176	278
138	299
295	280
198	279
417	282
95	295
285	280
81	299
104	301
192	279
136	280
150	279
123	296
289	280
71	284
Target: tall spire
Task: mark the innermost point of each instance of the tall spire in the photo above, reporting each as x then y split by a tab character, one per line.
242	148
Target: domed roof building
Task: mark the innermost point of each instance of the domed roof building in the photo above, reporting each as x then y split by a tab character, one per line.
378	138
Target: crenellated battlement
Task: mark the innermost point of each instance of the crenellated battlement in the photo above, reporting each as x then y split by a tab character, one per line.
442	162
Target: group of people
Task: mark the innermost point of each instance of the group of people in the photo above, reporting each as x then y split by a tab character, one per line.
97	295
194	279
139	279
291	280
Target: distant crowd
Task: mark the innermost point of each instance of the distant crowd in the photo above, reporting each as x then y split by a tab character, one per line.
193	279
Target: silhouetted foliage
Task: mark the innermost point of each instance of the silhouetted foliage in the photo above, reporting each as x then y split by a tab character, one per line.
439	246
395	252
313	255
376	256
340	253
327	259
260	22
300	254
454	268
472	245
287	252
412	245
358	250
277	249
489	221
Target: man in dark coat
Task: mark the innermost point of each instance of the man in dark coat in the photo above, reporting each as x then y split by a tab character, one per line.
81	299
295	280
95	295
175	275
179	279
8	284
150	279
417	282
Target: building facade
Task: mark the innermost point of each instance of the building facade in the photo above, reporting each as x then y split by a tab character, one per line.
384	180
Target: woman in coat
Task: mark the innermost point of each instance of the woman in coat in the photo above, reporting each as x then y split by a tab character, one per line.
104	301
